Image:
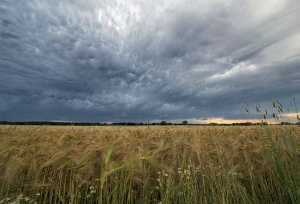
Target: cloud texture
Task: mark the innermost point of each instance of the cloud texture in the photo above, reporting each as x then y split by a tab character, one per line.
133	60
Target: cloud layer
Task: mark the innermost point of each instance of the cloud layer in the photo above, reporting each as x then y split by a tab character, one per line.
135	60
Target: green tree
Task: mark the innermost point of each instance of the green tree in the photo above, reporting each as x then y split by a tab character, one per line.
184	122
163	122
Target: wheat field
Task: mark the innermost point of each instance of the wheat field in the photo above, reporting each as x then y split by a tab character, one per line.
151	165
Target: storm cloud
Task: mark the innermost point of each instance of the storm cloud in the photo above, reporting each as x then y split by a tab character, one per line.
134	60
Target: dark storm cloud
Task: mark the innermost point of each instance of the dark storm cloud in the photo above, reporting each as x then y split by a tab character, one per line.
138	60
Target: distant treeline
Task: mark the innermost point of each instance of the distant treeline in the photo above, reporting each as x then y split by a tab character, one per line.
128	123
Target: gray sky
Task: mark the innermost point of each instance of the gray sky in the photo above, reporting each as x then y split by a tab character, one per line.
134	60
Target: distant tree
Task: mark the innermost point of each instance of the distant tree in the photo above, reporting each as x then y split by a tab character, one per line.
163	122
184	122
213	124
263	123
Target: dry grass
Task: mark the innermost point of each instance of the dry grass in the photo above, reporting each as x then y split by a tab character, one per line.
174	164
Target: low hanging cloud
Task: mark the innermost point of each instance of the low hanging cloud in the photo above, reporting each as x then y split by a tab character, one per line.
99	60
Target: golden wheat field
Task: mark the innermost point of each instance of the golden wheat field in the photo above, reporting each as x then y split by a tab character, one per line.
155	164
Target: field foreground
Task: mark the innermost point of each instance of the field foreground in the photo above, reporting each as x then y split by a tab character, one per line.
156	164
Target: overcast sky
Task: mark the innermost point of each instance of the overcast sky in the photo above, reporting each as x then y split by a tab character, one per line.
134	60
